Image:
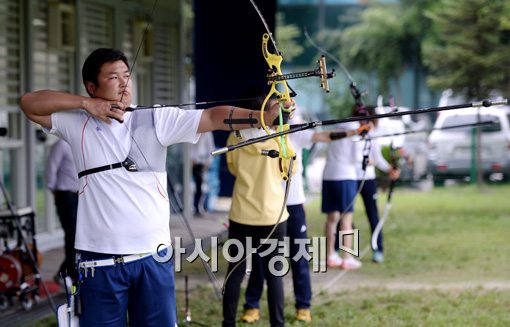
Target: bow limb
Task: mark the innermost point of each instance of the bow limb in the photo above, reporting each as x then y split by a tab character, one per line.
378	228
387	207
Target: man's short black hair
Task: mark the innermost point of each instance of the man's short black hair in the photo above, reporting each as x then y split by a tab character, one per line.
92	65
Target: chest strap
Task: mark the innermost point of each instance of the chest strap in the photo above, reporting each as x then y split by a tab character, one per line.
129	164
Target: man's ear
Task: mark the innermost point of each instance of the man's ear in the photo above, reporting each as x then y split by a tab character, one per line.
91	87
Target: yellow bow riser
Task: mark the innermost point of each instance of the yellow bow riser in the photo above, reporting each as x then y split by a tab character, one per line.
285	150
289	151
281	90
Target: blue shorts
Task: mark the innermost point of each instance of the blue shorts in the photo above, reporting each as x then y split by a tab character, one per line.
144	288
338	195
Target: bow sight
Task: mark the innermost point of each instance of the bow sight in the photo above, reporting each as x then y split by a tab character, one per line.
321	72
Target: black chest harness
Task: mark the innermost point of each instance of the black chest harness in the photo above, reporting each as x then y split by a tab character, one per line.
143	134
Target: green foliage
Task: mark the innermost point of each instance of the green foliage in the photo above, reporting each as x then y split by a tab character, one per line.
375	44
468	49
464	45
340	103
286	37
505	20
385	40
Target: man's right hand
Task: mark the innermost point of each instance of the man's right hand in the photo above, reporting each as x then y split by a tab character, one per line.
105	110
273	111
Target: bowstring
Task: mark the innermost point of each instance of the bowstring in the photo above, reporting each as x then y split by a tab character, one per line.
288	180
212	277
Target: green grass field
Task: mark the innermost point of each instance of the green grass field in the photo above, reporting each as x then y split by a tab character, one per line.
447	263
453	234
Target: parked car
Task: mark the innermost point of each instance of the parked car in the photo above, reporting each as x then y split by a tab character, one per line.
452	152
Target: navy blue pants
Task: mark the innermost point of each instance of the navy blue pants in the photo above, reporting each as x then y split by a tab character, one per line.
275	295
66	203
296	229
198	198
369	195
145	289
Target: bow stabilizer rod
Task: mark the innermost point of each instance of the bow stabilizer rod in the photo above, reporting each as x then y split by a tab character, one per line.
301	127
484	123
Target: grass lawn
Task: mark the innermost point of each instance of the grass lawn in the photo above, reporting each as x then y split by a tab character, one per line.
447	263
453	234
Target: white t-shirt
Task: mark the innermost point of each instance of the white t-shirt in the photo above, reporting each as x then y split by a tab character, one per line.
201	151
121	212
299	140
341	158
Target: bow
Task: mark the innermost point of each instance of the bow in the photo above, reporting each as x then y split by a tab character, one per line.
283	92
355	92
285	152
314	124
394	163
378	229
360	111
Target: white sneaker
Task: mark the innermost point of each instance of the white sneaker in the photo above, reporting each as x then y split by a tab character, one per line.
334	261
350	263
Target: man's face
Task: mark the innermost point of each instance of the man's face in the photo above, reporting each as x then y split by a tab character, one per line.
113	83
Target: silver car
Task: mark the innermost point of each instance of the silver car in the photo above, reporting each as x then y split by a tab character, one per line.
453	151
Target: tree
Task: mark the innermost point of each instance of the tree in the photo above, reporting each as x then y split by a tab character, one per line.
286	35
468	49
375	43
385	42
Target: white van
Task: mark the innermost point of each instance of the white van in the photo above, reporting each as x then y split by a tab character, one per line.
452	152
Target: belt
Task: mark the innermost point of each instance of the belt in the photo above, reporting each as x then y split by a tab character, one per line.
113	261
